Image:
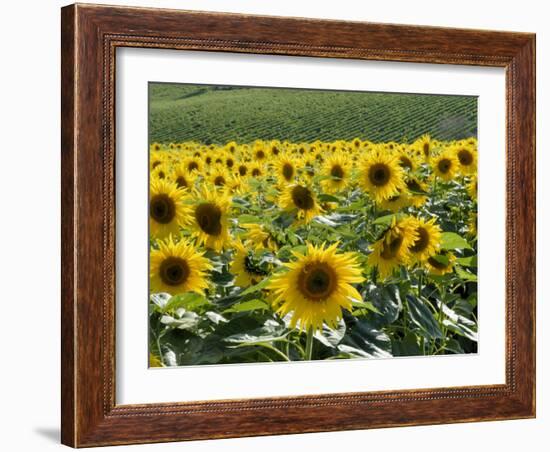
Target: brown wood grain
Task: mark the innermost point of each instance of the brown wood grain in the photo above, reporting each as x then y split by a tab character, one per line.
90	36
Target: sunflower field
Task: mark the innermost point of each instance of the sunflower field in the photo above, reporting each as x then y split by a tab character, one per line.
274	250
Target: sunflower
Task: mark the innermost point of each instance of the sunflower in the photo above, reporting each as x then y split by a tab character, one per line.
182	178
393	248
472	224
155	361
356	143
337	167
193	164
242	169
231	147
259	153
286	169
302	149
259	236
208	160
237	184
178	268
257	170
472	188
397	202
440	264
156	158
381	175
275	148
308	167
160	172
166	209
316	287
219	177
300	198
217	159
417	190
424	145
245	267
229	161
209	219
467	158
445	165
408	160
428	242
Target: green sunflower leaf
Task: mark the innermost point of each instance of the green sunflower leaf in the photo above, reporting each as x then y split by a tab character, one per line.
257	287
464	274
470	261
189	301
250	305
325	197
247	219
441	258
421	315
387	219
452	241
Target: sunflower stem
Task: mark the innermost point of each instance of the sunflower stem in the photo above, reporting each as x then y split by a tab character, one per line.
309	344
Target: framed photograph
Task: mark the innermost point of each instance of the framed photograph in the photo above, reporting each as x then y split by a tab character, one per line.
281	225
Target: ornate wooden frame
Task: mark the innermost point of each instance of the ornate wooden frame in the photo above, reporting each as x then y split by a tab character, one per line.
90	35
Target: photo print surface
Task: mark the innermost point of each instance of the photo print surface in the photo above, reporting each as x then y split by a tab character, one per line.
295	224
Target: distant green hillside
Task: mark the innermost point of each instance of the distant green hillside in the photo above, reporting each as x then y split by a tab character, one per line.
218	114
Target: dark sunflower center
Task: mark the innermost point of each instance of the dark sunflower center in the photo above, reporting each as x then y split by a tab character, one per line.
161	175
275	150
174	271
466	158
209	217
192	166
426	149
444	165
302	198
260	155
337	172
219	181
229	163
379	174
162	209
181	182
242	170
436	264
317	281
288	171
157	147
256	172
155	164
394	198
390	250
405	162
413	185
208	160
422	242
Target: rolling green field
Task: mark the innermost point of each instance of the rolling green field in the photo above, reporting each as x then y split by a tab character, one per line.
219	114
